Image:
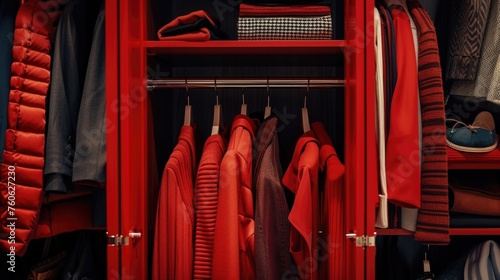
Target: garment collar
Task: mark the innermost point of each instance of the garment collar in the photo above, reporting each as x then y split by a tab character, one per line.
245	122
290	179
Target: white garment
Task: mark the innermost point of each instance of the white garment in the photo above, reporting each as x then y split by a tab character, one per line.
382	215
483	262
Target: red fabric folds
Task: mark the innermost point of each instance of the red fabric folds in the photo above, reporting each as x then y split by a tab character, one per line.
173	242
234	244
206	204
301	178
403	144
247	10
203	34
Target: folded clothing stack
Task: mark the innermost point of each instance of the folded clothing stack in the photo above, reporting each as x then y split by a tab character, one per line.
195	26
297	22
475	192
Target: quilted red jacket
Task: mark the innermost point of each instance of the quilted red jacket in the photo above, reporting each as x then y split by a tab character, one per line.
22	189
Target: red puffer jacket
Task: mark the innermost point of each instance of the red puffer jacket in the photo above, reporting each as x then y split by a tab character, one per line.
21	185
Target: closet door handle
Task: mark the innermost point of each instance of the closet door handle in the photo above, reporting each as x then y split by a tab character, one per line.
363	240
135	235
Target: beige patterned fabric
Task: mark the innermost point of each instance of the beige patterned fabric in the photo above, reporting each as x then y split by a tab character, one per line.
468	21
486	86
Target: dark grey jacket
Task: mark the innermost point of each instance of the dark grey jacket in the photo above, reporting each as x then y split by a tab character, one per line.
272	228
89	166
69	64
76	143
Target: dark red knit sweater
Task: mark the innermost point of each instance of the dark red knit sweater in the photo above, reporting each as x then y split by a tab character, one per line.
433	216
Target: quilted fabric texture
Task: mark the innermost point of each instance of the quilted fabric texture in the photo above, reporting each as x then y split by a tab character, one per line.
24	139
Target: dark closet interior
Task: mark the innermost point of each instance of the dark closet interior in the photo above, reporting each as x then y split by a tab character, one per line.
325	105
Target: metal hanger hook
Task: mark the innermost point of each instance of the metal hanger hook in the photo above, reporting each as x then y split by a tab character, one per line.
187	92
215	85
216	93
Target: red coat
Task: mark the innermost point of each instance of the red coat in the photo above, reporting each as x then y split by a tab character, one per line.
206	204
173	243
332	243
25	135
234	228
301	178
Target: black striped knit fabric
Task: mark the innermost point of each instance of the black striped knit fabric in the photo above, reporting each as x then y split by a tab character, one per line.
433	215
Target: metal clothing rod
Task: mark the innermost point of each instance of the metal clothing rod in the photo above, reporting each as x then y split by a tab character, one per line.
246	83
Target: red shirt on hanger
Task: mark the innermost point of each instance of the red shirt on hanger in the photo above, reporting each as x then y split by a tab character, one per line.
206	204
301	178
173	243
332	241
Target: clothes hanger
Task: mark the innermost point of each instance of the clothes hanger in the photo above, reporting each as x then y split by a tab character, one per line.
267	110
217	120
306	126
188	115
427	274
243	104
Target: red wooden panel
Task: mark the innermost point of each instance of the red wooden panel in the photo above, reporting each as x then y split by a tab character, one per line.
462	160
305	47
112	136
354	57
133	138
371	143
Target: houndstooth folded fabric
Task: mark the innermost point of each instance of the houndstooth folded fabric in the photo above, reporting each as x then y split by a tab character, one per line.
285	28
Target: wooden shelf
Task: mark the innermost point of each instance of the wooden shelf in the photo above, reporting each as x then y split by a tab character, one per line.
453	231
302	47
463	160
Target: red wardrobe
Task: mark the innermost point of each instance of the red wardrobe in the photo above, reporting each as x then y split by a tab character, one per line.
133	52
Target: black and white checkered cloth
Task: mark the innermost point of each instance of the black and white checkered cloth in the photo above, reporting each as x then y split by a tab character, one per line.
285	28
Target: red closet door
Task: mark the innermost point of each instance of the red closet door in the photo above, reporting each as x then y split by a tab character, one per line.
130	171
359	102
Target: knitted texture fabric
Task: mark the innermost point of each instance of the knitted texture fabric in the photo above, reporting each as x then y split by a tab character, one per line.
468	21
433	216
486	86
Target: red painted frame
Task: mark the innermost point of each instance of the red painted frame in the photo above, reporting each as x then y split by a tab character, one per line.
371	184
355	134
112	136
129	154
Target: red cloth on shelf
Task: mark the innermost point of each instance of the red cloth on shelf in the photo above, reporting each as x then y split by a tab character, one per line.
203	34
247	10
